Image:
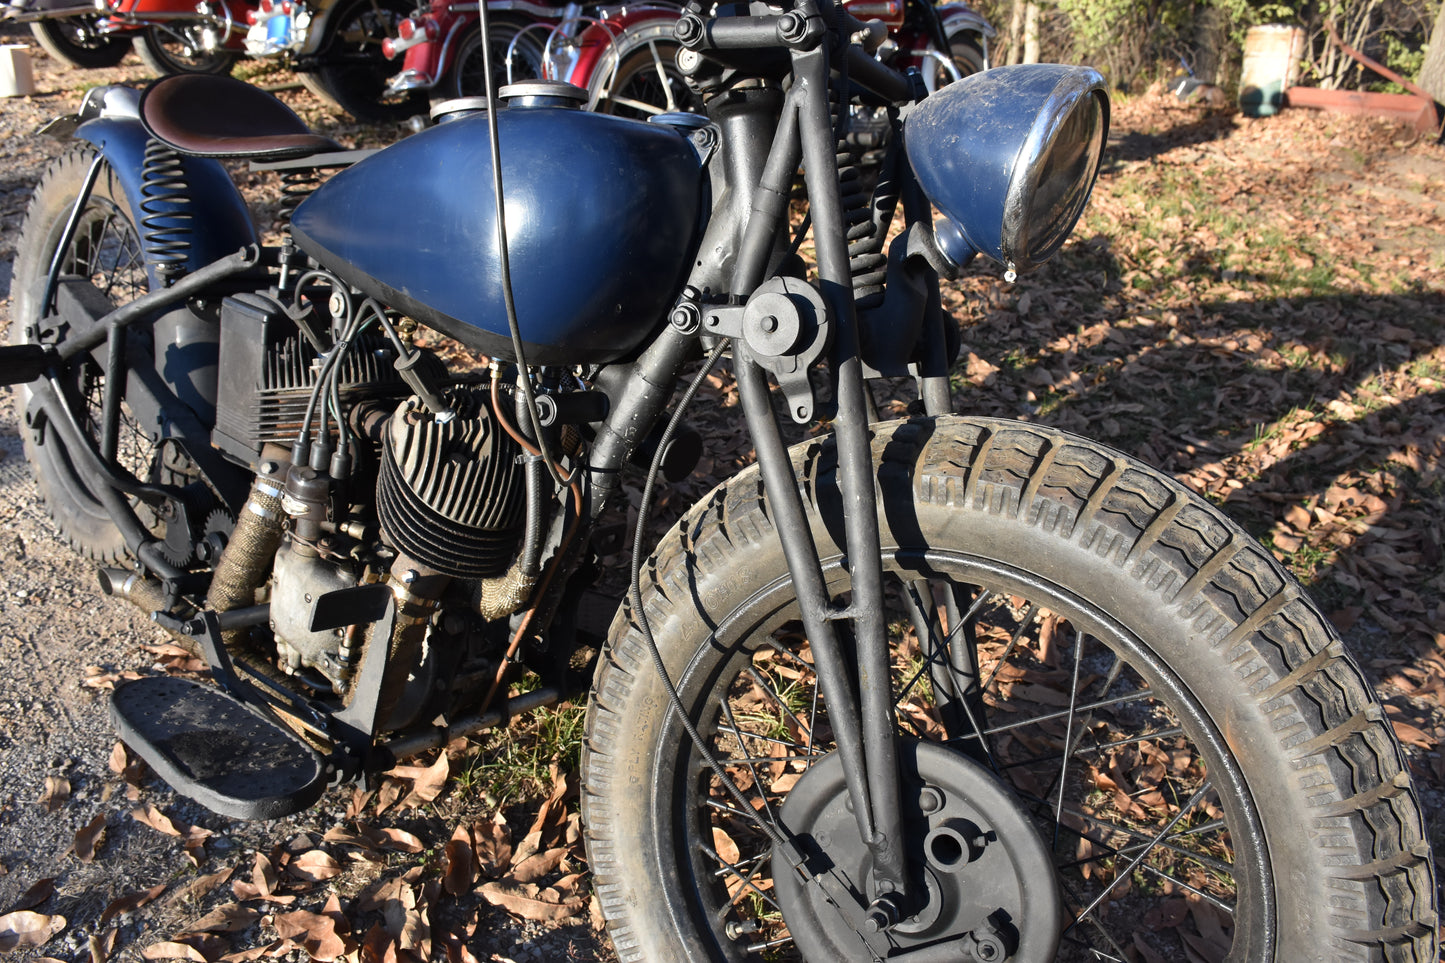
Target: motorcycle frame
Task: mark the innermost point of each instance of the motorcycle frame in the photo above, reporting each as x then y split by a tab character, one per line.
763	146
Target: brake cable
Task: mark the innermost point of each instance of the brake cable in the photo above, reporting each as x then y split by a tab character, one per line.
514	328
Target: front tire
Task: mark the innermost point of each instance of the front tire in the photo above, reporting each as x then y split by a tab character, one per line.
1150	681
467	76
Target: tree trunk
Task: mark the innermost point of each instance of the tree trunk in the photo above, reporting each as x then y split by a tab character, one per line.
1015	33
1432	72
1031	33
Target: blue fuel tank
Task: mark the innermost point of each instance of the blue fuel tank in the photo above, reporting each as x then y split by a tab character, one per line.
603	220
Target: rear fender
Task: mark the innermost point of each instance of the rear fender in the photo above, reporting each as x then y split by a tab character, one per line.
219	223
961	18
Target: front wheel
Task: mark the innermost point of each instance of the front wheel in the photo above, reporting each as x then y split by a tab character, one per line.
106	251
467	76
1123	731
76	41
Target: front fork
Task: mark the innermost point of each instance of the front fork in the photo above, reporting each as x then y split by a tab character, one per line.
868	749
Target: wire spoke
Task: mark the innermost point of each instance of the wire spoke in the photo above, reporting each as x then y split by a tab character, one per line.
1193	801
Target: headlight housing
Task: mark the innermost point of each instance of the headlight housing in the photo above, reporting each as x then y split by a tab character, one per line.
1009	157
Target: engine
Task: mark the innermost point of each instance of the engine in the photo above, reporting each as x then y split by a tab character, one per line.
450	493
427	505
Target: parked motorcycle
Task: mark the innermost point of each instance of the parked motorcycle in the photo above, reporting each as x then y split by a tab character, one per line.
625	56
68	31
334	45
864	701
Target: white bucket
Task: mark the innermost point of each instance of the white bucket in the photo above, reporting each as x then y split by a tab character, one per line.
1272	54
17	79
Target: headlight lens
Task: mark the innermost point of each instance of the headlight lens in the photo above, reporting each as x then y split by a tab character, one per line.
1009	157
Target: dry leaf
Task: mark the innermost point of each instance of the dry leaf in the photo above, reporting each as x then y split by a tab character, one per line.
202	885
359	798
427	781
459	863
174	950
227	918
388	794
537	866
38	893
57	793
322	935
24	928
88	839
155	819
398	840
525	900
492	844
314	866
130	902
255	952
101	947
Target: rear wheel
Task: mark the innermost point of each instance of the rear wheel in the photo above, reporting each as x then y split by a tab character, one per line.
350	70
467	77
1124	732
966	57
106	251
76	41
179	50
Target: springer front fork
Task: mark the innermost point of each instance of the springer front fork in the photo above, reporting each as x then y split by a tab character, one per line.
855	690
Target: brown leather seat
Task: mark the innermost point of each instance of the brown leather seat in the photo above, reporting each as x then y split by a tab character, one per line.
209	116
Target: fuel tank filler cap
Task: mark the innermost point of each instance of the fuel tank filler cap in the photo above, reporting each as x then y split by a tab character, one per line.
543	93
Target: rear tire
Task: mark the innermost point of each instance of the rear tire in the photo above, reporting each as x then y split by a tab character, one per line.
351	72
75	41
166	53
647	82
106	248
1197	643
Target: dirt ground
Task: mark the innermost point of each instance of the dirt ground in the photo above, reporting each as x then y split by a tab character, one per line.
57	633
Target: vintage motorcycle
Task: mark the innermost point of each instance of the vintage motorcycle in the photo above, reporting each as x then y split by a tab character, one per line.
625	56
937	688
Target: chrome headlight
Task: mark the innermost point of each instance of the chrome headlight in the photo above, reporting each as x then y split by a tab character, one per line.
1009	156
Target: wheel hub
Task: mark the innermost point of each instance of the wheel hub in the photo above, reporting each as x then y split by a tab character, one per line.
983	882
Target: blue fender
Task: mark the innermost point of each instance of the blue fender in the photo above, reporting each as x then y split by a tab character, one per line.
219	222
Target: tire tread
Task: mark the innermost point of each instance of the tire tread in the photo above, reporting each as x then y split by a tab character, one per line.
1367	832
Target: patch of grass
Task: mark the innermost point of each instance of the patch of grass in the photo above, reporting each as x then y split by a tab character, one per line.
515	762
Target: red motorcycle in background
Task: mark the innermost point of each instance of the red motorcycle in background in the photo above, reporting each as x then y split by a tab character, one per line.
625	56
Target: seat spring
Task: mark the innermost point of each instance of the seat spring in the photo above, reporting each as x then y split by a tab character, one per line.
166	217
296	186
